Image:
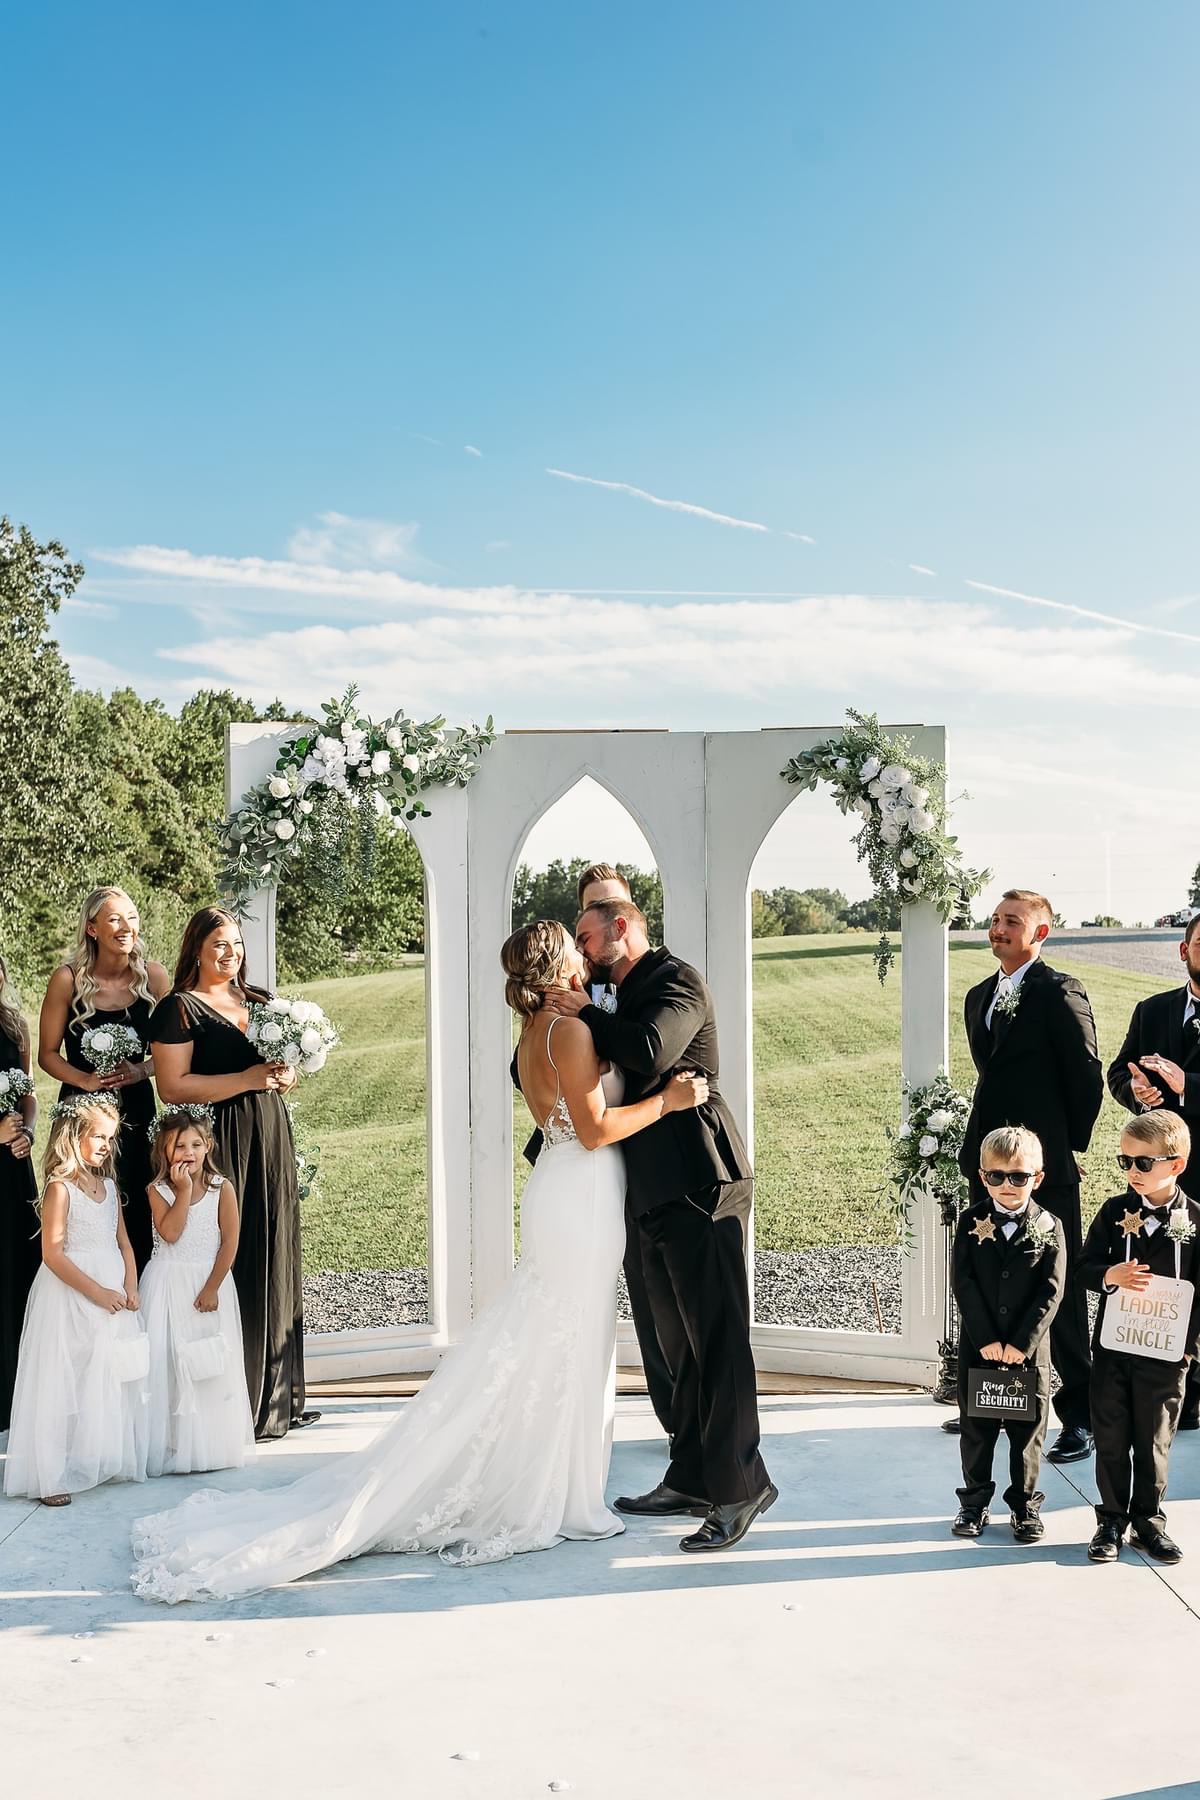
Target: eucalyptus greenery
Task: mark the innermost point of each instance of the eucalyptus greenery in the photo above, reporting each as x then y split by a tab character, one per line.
904	838
331	782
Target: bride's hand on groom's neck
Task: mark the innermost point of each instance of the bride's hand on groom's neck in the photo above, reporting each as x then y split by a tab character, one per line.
569	1002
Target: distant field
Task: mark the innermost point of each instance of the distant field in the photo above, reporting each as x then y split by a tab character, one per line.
827	1061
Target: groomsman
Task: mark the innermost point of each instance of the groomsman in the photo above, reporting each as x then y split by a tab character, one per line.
1158	1066
1033	1041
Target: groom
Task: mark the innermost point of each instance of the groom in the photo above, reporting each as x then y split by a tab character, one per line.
688	1189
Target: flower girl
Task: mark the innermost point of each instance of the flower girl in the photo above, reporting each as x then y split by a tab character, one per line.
199	1407
79	1408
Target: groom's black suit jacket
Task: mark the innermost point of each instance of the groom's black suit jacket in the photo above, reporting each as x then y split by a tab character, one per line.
664	1022
1039	1068
1157	1029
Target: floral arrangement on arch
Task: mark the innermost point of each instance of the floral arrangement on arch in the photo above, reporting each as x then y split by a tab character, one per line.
342	765
904	837
924	1155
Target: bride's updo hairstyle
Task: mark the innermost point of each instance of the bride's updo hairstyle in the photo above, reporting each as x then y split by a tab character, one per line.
535	960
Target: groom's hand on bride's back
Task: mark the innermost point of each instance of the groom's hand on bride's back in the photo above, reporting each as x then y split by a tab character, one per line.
685	1091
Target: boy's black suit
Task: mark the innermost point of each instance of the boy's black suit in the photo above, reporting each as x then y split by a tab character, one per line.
1008	1291
688	1192
1136	1399
1040	1068
1157	1028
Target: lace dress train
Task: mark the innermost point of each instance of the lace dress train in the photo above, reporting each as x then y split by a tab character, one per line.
505	1449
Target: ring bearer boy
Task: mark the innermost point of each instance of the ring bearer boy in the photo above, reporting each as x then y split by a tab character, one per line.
1136	1395
1010	1262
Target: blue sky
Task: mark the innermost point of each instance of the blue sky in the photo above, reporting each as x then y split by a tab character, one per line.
307	307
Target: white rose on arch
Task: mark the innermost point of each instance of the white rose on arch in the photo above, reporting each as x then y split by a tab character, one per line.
381	762
911	884
875	789
917	796
894	776
922	822
928	1145
889	831
394	737
939	1120
864	808
869	770
907	859
284	829
411	763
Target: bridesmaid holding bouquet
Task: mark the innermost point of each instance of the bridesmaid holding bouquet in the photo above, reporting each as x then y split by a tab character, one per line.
105	990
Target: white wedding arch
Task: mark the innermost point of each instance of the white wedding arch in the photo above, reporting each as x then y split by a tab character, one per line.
705	802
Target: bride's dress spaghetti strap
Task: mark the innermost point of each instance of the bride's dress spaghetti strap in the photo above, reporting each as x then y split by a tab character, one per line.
506	1447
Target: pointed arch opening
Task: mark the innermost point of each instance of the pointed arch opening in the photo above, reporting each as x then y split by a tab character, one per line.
365	1223
827	1078
586	824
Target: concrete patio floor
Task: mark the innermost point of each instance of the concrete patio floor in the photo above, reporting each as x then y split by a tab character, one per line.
849	1647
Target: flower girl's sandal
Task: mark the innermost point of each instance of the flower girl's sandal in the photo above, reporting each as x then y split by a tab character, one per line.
56	1499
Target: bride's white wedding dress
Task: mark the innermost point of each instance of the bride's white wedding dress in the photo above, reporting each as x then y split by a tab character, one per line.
505	1449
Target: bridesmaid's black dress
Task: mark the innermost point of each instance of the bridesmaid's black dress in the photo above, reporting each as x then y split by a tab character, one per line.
255	1150
136	1103
20	1246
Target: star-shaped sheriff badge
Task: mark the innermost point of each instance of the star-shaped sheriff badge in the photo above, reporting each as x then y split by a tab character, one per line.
1131	1224
983	1229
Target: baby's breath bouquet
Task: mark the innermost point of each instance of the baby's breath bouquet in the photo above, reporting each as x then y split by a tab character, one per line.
107	1046
925	1153
14	1085
295	1032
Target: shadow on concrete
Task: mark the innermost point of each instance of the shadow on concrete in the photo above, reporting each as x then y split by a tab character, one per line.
855	1501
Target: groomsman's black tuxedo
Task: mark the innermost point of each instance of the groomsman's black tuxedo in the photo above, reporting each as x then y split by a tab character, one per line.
1008	1289
688	1191
1136	1400
1040	1067
1157	1028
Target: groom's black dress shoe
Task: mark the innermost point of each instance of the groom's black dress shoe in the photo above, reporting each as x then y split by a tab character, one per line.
1155	1542
661	1501
1072	1444
725	1526
303	1419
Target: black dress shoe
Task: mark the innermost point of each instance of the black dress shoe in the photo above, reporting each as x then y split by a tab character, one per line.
1072	1444
725	1526
662	1501
953	1426
1189	1419
303	1419
1027	1528
1106	1545
970	1521
1156	1543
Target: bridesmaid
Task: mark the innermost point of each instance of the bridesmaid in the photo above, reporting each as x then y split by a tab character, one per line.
20	1235
201	1052
107	980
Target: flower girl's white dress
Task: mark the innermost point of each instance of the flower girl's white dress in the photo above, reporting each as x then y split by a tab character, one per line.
199	1406
506	1448
80	1410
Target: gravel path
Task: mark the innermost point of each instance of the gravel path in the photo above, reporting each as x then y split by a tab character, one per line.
828	1289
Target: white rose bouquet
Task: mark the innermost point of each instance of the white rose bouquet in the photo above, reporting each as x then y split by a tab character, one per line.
925	1153
107	1046
295	1032
14	1085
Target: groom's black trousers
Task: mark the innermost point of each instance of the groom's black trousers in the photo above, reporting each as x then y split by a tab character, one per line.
660	1384
694	1266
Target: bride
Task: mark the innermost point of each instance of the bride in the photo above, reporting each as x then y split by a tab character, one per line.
506	1447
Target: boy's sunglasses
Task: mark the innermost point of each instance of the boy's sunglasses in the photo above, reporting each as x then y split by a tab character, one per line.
1143	1164
1005	1177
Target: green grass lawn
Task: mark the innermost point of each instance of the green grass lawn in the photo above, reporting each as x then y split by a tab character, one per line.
827	1079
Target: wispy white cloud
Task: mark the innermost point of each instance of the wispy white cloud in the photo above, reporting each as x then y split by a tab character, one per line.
351	543
497	544
1086	612
471	450
920	569
424	438
97	609
680	506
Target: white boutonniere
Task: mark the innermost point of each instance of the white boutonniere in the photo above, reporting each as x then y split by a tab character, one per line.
1041	1230
1007	999
606	1000
1179	1228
